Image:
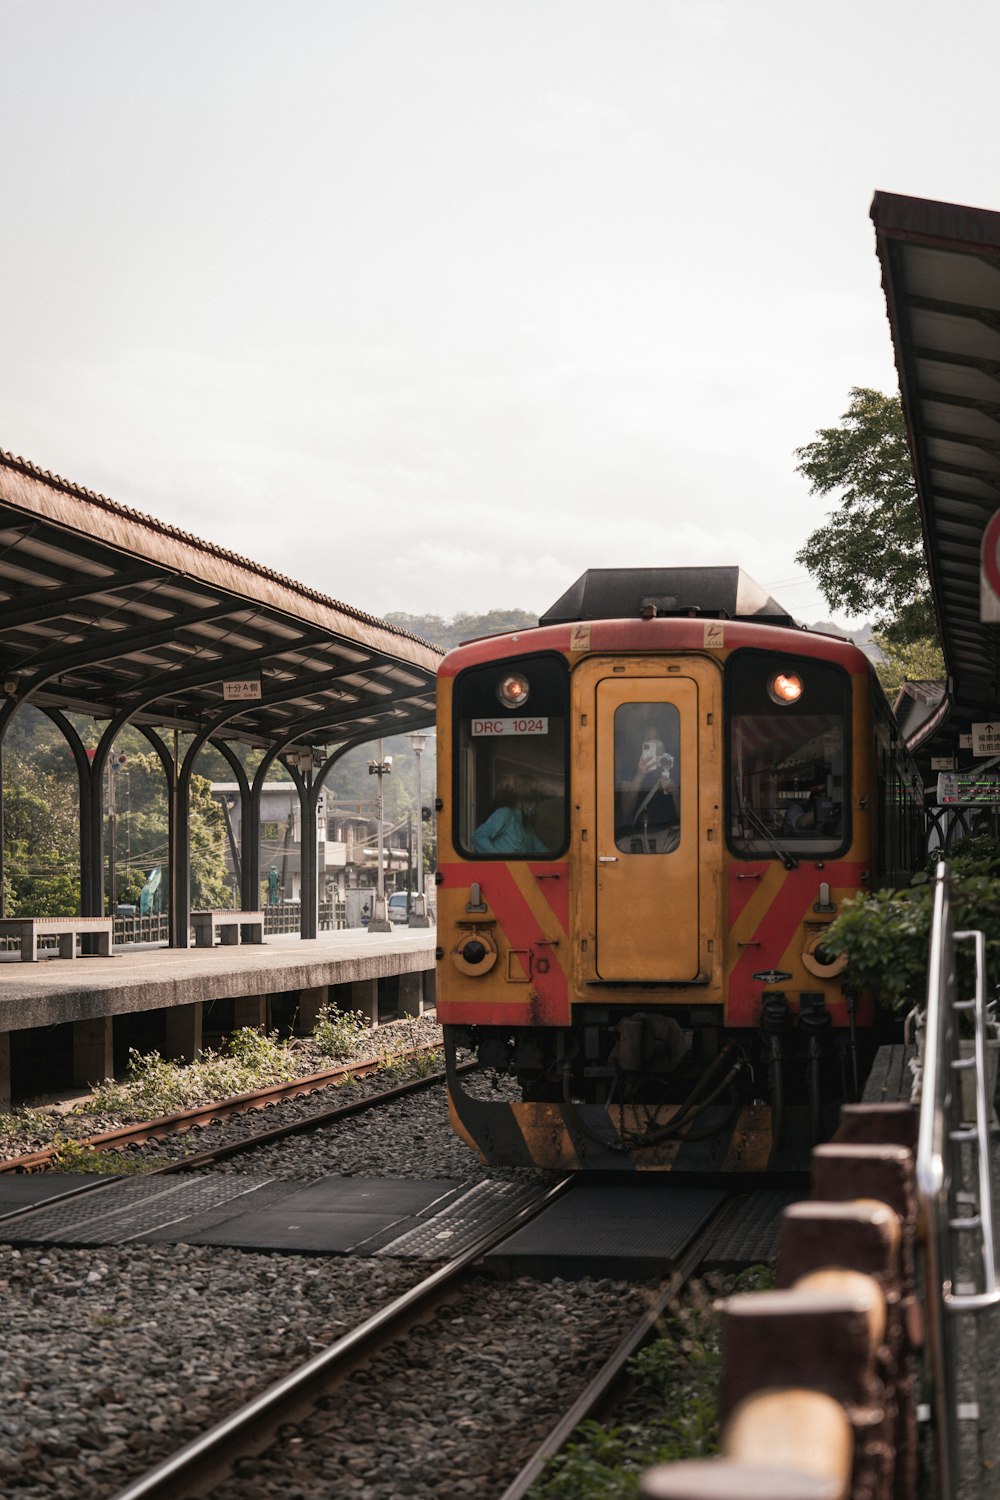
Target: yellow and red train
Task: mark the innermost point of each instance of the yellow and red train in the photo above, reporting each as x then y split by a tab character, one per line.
650	809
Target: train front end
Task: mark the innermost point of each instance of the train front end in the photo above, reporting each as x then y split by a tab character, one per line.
645	826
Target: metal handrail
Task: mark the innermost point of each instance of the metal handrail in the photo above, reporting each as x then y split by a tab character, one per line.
941	1137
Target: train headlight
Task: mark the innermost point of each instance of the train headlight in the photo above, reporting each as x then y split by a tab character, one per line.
513	690
785	687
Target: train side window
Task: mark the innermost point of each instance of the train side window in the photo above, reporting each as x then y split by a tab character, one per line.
647	778
511	759
789	729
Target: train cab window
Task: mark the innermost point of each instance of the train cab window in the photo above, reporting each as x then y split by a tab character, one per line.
789	729
510	765
647	778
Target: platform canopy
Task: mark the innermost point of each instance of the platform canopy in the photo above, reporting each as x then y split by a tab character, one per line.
114	614
941	275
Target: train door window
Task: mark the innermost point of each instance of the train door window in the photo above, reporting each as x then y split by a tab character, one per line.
511	759
647	778
789	729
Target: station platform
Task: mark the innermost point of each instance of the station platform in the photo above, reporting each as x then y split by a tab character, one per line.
617	1228
89	993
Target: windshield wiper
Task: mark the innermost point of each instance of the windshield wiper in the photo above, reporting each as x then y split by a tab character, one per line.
757	823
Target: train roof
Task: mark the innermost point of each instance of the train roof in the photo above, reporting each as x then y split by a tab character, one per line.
726	593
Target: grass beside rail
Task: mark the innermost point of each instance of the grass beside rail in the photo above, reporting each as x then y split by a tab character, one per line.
670	1398
153	1086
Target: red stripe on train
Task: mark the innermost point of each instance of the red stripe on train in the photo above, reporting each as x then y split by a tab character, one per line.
536	954
769	942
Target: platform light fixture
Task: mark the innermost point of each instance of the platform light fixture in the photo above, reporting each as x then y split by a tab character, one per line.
380	917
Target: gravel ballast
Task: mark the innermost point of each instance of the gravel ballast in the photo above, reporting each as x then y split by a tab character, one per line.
115	1357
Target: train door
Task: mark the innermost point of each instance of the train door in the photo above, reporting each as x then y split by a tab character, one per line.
647	902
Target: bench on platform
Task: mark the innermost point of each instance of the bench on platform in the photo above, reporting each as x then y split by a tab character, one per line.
229	927
28	931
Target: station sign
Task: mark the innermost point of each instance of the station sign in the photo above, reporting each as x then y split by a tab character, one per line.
246	688
986	738
942	763
968	787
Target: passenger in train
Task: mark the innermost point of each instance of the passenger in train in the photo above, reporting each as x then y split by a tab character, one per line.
815	811
510	828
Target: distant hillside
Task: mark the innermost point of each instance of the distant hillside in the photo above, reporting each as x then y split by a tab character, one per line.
462	627
862	637
465	627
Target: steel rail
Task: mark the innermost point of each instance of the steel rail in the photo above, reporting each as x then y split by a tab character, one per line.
248	1143
201	1462
200	1115
592	1398
308	1123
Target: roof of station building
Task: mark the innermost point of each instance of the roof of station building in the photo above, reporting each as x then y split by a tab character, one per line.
107	611
941	276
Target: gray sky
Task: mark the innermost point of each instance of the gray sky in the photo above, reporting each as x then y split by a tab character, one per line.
433	304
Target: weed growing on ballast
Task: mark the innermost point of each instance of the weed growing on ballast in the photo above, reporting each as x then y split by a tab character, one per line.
671	1393
337	1032
153	1086
17	1123
76	1156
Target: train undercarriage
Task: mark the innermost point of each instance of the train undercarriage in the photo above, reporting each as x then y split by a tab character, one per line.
645	1089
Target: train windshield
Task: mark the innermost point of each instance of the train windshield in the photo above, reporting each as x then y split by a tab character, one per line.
510	762
789	730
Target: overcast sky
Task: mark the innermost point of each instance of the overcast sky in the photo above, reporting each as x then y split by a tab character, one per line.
434	304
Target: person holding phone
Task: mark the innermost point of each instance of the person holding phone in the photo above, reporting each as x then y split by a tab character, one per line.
647	821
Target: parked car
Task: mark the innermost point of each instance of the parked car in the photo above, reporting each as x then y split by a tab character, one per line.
397	907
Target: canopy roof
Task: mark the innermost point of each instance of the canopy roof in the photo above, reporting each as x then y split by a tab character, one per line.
106	611
941	275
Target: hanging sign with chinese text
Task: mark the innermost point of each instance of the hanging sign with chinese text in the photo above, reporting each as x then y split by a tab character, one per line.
986	739
245	688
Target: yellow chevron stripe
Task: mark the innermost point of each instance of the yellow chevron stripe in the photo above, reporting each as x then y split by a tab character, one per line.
759	905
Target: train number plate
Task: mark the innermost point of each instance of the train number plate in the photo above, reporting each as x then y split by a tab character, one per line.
493	728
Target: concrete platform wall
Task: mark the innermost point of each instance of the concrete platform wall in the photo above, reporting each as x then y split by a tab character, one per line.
384	977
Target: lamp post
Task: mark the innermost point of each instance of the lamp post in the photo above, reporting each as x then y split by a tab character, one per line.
380	917
418	916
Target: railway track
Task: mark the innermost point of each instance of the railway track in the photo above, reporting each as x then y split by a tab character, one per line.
601	1389
273	1433
202	1464
225	1150
465	1380
203	1115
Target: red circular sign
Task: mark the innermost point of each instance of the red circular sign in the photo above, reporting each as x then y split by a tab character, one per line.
991	544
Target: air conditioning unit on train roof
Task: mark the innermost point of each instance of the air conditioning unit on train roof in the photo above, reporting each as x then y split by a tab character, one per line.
626	593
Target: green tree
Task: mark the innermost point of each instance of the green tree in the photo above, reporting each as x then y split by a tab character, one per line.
912	661
207	832
869	557
41	836
41	866
142	829
41	822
